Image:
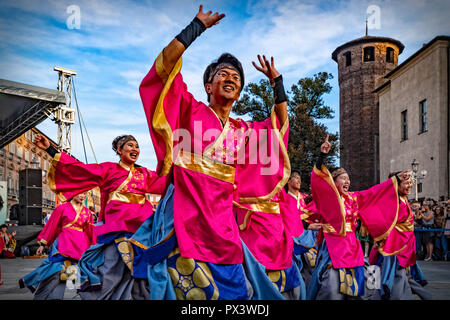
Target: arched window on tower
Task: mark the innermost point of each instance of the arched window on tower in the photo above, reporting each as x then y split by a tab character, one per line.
348	58
369	54
390	55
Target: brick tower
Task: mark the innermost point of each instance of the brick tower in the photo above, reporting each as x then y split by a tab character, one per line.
362	64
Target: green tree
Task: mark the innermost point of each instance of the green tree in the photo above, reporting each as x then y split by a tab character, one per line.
256	101
305	107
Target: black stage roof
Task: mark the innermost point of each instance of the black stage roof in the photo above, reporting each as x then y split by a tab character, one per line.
23	107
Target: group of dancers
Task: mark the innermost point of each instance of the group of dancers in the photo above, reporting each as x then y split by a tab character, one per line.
224	228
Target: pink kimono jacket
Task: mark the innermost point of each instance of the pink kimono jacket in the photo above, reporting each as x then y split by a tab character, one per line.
263	231
401	241
291	210
73	230
377	208
215	168
124	205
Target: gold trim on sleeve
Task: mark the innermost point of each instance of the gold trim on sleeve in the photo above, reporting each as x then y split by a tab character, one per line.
159	120
380	250
405	226
384	235
43	242
306	214
266	207
325	175
51	177
287	164
327	228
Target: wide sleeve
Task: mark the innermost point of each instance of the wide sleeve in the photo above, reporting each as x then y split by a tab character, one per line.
88	227
290	214
52	228
309	213
327	201
264	167
378	208
155	184
68	177
167	104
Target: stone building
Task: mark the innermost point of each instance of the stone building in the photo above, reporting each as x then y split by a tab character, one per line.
362	64
415	118
21	154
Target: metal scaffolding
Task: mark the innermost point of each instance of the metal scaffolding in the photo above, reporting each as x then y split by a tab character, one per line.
64	115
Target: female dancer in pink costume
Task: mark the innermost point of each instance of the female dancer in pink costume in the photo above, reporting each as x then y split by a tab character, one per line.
68	233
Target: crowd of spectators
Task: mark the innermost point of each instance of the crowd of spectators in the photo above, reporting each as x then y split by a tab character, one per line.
431	218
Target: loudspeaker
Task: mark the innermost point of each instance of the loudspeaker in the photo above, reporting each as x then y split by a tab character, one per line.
30	197
30	215
30	177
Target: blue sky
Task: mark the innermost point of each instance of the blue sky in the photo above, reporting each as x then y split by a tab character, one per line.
117	42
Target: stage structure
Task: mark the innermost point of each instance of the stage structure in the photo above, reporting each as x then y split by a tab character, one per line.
23	107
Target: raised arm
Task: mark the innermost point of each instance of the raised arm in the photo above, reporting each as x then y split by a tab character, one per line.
324	149
174	50
67	176
42	142
276	82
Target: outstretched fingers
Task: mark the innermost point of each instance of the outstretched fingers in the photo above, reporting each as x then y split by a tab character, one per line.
208	18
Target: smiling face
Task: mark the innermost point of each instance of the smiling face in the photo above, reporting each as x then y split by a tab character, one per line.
294	182
404	188
79	198
129	153
225	86
342	183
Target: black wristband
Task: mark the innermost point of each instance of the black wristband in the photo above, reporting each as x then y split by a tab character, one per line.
51	151
305	225
320	159
278	90
191	32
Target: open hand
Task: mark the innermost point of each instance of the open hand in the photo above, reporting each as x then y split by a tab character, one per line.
267	68
315	226
41	142
326	146
209	19
39	251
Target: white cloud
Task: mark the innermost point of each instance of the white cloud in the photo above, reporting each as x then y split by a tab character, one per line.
119	40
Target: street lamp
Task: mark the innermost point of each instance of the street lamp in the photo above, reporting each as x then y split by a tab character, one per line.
415	176
415	166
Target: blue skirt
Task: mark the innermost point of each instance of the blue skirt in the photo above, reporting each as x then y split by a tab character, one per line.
398	283
333	284
54	263
171	276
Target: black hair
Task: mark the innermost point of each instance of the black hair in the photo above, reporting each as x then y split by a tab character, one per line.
393	174
295	171
333	169
224	58
286	187
120	141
